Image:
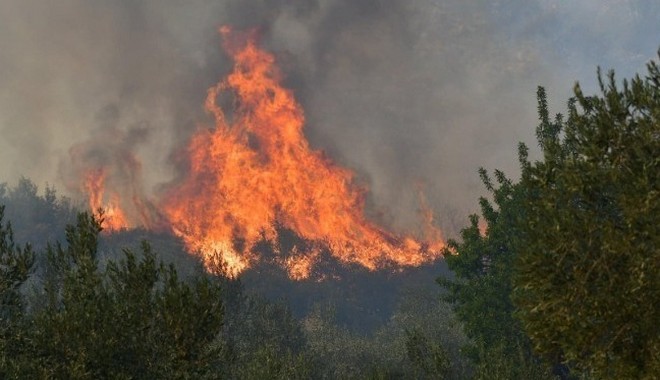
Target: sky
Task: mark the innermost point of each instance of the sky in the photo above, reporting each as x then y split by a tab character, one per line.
403	92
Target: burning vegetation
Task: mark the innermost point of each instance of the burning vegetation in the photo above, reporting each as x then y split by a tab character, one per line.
253	171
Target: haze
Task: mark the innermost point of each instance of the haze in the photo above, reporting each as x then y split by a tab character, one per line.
402	92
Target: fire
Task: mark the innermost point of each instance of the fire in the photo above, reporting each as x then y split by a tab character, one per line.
249	176
113	218
255	169
106	169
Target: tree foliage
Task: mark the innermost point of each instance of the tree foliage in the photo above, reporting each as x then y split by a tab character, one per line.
566	263
481	290
133	319
37	217
587	272
430	358
16	265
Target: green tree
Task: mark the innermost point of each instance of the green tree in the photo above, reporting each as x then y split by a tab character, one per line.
430	359
264	340
481	290
267	363
16	264
36	218
587	274
132	319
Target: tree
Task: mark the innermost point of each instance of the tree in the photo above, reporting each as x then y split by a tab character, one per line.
132	319
588	253
264	339
431	359
37	217
481	290
16	265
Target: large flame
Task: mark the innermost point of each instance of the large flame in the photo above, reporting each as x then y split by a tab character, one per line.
254	171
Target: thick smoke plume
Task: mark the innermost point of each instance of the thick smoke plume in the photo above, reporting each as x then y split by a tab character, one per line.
405	92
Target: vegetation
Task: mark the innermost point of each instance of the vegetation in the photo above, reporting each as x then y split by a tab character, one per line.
481	290
565	273
82	310
589	244
36	218
557	278
133	319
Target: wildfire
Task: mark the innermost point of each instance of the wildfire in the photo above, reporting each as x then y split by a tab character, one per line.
113	218
254	171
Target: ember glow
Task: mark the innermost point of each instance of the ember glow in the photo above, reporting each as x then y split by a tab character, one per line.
254	170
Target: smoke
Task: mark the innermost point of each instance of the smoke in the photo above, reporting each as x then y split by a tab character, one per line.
402	91
107	160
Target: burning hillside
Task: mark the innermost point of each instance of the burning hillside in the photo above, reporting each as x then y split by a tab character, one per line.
254	170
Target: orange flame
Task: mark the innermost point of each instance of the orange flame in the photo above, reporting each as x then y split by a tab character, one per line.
114	218
255	170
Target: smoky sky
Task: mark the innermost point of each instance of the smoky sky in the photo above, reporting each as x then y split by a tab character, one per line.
404	92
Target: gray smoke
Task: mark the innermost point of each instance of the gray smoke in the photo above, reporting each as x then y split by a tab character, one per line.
402	91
